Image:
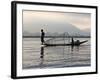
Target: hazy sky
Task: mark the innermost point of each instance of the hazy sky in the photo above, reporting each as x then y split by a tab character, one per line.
33	21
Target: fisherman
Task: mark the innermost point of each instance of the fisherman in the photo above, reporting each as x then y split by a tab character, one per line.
78	42
75	42
42	36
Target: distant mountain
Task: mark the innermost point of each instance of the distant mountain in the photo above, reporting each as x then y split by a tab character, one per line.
87	30
57	29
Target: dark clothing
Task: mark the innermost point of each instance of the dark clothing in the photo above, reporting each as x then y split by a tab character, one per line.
42	37
78	41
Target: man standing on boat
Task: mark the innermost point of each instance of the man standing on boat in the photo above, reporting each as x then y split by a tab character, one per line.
42	36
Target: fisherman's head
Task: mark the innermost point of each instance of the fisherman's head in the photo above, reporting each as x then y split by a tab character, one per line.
41	30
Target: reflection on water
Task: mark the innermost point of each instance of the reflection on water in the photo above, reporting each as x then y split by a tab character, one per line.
42	52
37	56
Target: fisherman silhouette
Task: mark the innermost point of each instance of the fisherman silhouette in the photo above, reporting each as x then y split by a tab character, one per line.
42	36
75	42
78	42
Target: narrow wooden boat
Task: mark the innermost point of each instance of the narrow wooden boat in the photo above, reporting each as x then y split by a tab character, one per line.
70	44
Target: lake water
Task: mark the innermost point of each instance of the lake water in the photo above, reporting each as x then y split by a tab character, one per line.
36	55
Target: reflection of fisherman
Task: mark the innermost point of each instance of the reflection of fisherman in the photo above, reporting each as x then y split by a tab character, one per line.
41	57
42	36
42	52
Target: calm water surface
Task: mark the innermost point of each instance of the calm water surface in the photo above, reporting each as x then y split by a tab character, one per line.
36	55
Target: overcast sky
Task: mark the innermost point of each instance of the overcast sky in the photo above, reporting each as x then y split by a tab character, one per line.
34	21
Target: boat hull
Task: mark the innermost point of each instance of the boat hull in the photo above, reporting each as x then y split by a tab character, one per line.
70	44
